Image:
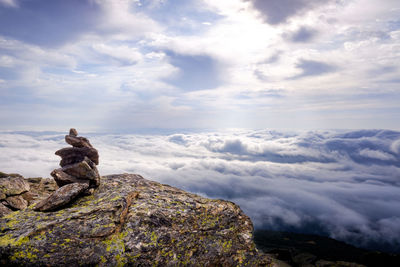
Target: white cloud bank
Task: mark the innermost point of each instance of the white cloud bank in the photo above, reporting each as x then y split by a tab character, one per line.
342	184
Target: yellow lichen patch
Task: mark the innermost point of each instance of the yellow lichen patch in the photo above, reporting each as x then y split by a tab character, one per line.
23	255
121	261
103	259
153	238
116	243
12	222
227	245
40	237
116	246
6	240
240	256
11	215
116	198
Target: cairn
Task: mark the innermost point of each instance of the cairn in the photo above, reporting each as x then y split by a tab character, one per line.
78	174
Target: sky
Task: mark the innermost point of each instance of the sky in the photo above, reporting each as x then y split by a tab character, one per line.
341	184
123	65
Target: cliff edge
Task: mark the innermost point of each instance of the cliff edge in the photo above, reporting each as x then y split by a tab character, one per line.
129	221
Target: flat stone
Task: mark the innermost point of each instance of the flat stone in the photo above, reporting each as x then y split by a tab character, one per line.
4	210
17	202
61	197
71	155
77	141
12	186
85	169
63	178
73	132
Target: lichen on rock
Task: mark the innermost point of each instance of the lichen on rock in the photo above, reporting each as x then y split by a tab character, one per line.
132	221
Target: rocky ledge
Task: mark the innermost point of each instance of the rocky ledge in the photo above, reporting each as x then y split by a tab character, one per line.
129	220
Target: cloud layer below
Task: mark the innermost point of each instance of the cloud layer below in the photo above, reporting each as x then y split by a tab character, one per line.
345	185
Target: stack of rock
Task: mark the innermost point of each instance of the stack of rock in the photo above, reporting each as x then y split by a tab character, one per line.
78	173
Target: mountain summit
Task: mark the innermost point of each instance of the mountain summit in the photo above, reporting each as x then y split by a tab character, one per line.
129	220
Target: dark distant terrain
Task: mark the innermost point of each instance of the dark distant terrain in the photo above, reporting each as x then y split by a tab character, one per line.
305	250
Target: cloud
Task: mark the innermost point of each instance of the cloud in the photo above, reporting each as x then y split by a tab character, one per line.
343	184
195	72
9	3
279	11
54	23
158	59
313	68
123	55
376	154
302	35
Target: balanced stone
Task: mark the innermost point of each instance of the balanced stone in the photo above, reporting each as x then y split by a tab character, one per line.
71	155
77	141
84	170
73	132
78	175
63	178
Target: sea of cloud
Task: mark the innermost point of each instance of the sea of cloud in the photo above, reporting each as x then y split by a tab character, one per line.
342	184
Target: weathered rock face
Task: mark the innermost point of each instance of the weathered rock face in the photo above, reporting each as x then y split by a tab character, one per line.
17	193
12	187
78	173
134	221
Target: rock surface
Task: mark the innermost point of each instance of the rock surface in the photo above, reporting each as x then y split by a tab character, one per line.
12	186
133	221
12	189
